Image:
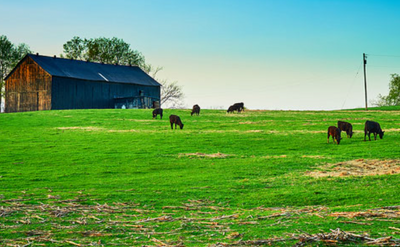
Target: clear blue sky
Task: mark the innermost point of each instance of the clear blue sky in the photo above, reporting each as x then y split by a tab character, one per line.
268	54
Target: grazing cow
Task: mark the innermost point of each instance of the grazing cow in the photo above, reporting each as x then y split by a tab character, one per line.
174	119
239	106
335	133
195	110
372	127
236	107
231	108
345	126
156	112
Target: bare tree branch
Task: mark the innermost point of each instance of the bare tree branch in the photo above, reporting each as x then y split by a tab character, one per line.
171	92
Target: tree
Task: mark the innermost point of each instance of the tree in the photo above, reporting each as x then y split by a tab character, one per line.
103	50
171	93
116	51
10	55
394	93
75	49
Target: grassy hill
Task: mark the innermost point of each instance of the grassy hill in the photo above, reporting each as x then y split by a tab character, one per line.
119	177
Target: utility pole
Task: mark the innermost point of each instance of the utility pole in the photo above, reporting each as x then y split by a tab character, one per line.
365	80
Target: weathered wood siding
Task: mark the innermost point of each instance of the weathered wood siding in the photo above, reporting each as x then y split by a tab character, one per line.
68	93
28	88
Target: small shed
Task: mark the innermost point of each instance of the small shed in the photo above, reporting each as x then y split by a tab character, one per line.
51	83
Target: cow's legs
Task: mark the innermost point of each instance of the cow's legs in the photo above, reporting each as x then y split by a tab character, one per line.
172	126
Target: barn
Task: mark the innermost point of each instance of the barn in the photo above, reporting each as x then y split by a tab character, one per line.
50	83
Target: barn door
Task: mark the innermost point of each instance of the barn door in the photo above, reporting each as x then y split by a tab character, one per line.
28	101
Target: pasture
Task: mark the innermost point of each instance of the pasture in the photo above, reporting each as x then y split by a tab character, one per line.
119	177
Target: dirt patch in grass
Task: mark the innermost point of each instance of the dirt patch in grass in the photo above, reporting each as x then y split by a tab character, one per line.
122	131
218	131
254	131
391	130
359	167
248	122
315	157
135	120
216	155
87	128
274	156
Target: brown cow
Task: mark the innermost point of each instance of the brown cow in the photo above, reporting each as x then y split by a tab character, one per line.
174	119
195	110
335	133
345	126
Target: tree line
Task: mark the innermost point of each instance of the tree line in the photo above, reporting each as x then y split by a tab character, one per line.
101	50
393	98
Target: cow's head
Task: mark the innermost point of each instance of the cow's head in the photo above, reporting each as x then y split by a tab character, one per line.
181	126
351	134
381	134
338	135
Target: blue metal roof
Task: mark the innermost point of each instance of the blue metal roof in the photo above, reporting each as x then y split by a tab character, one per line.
83	70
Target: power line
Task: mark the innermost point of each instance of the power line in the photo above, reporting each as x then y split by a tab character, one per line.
384	67
352	84
375	55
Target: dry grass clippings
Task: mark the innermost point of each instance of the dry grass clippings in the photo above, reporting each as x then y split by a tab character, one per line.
359	167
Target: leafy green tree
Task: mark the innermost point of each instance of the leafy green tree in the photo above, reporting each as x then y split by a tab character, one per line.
6	52
75	49
103	50
10	55
116	51
394	93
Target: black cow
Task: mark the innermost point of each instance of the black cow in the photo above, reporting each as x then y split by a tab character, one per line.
231	108
372	127
345	126
239	106
156	112
174	119
335	133
236	107
195	110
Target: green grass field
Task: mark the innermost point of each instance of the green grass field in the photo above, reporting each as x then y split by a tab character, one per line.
119	177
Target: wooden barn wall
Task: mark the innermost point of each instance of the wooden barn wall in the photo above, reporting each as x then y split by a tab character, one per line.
70	93
28	88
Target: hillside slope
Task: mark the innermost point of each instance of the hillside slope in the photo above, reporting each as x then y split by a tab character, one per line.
121	177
